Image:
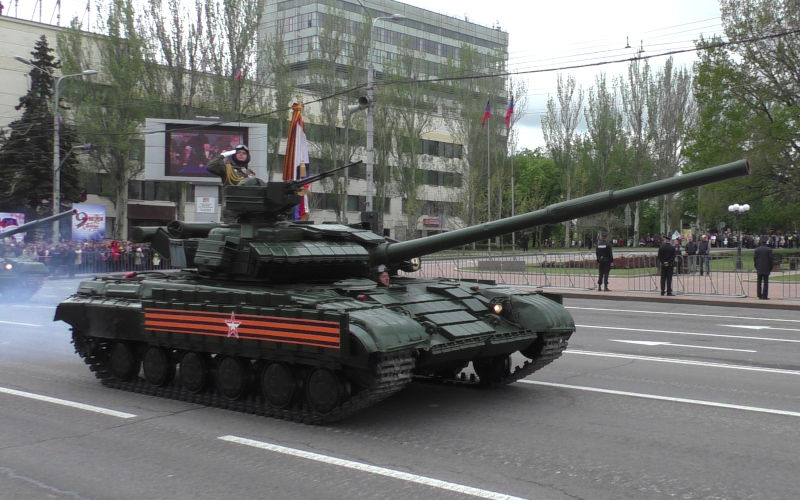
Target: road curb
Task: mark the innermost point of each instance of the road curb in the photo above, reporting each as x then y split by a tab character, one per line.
682	299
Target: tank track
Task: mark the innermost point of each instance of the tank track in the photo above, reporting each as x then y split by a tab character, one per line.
392	374
554	344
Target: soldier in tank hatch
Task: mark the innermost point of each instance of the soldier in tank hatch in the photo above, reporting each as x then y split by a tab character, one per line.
232	166
383	276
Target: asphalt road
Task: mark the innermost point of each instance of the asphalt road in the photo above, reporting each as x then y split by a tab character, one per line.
650	401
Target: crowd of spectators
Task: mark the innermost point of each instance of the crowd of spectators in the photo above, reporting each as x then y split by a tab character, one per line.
73	257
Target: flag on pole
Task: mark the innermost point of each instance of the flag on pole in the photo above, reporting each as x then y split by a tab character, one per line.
509	112
486	113
296	158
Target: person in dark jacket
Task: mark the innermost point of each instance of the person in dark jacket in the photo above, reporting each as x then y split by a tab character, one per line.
764	261
666	260
605	259
691	254
703	256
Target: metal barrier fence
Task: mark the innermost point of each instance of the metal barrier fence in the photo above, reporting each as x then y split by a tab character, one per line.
633	272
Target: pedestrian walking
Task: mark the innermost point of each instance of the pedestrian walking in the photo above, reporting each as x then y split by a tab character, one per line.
763	261
605	259
666	260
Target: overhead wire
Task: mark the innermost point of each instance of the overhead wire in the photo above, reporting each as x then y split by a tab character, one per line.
569	66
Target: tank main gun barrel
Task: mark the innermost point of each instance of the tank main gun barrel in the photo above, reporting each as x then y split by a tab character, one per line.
389	253
38	222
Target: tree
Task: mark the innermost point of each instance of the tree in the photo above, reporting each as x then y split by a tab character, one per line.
327	61
473	84
671	113
278	83
110	114
634	95
410	107
538	184
604	129
748	95
232	28
558	126
174	51
27	153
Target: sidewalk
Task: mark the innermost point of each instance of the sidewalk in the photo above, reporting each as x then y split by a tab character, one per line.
617	285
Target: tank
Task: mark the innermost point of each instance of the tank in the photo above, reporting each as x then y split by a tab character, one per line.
286	319
21	278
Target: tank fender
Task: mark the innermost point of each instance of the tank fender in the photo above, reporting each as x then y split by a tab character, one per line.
385	330
539	313
363	338
532	311
72	313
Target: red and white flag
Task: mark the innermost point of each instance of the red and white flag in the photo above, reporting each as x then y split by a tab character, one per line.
295	161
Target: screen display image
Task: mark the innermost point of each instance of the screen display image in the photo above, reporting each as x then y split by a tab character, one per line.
189	149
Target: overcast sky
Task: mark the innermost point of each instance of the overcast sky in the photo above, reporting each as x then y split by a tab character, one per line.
546	35
543	36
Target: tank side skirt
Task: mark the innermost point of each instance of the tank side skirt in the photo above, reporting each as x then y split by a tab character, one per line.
392	373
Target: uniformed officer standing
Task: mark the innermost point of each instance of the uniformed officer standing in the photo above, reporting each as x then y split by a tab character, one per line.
666	260
605	259
764	262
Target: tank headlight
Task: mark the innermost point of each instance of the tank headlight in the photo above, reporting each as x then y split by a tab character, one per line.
497	308
416	263
8	266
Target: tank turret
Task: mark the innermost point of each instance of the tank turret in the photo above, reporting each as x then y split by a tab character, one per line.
279	318
264	246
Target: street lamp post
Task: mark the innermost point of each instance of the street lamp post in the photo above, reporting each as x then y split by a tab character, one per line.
371	98
57	150
56	138
738	211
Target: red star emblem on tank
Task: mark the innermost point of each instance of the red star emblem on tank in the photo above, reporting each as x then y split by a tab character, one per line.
233	326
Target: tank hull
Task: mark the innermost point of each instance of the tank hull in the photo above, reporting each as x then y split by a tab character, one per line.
20	279
309	353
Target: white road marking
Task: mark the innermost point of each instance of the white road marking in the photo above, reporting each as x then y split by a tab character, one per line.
15	323
721	335
667	398
64	402
759	327
655	343
360	466
762	319
683	362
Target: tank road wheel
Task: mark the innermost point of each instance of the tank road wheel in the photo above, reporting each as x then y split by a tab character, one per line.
124	363
492	370
158	366
278	384
194	372
233	376
323	390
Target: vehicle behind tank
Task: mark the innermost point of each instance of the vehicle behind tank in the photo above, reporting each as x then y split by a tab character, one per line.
286	319
21	278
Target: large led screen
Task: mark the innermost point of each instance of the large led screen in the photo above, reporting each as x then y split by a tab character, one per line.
190	148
